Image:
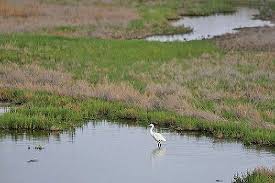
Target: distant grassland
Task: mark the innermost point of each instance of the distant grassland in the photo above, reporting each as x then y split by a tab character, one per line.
208	7
96	18
117	19
154	15
184	86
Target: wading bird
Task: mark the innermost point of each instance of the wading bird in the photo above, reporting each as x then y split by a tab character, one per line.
157	136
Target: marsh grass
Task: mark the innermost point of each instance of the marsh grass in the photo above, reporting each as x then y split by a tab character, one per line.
97	20
260	175
185	89
45	111
205	8
100	19
152	19
92	59
215	88
155	15
108	19
209	7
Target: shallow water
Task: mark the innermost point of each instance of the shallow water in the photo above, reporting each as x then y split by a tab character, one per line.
108	152
205	27
4	110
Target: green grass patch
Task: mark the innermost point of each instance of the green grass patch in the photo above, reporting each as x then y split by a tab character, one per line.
154	17
246	69
94	59
205	8
204	104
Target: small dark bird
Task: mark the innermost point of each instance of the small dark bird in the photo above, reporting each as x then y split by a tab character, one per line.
32	161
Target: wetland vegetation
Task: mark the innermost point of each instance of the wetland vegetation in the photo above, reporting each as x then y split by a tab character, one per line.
66	63
257	176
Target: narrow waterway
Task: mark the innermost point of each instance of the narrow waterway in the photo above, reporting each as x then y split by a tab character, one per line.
206	27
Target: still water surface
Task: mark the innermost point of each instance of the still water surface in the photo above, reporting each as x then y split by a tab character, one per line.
206	27
108	152
4	109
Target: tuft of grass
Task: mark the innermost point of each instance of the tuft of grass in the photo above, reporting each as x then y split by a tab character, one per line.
260	175
205	8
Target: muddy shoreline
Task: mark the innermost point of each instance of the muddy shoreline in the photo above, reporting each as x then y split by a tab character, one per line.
250	38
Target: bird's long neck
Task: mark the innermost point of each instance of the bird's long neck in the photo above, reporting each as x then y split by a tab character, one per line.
151	130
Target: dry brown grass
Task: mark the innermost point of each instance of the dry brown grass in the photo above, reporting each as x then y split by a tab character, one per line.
176	98
232	87
266	171
8	9
248	111
246	80
33	77
92	19
258	38
156	96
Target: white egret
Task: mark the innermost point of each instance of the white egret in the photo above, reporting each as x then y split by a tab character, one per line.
157	136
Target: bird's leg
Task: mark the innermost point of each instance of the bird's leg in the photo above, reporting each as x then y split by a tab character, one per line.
159	144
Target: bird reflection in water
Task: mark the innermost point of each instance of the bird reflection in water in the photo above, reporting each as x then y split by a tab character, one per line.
157	154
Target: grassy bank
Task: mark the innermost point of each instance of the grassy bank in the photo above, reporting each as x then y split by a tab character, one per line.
257	176
45	111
